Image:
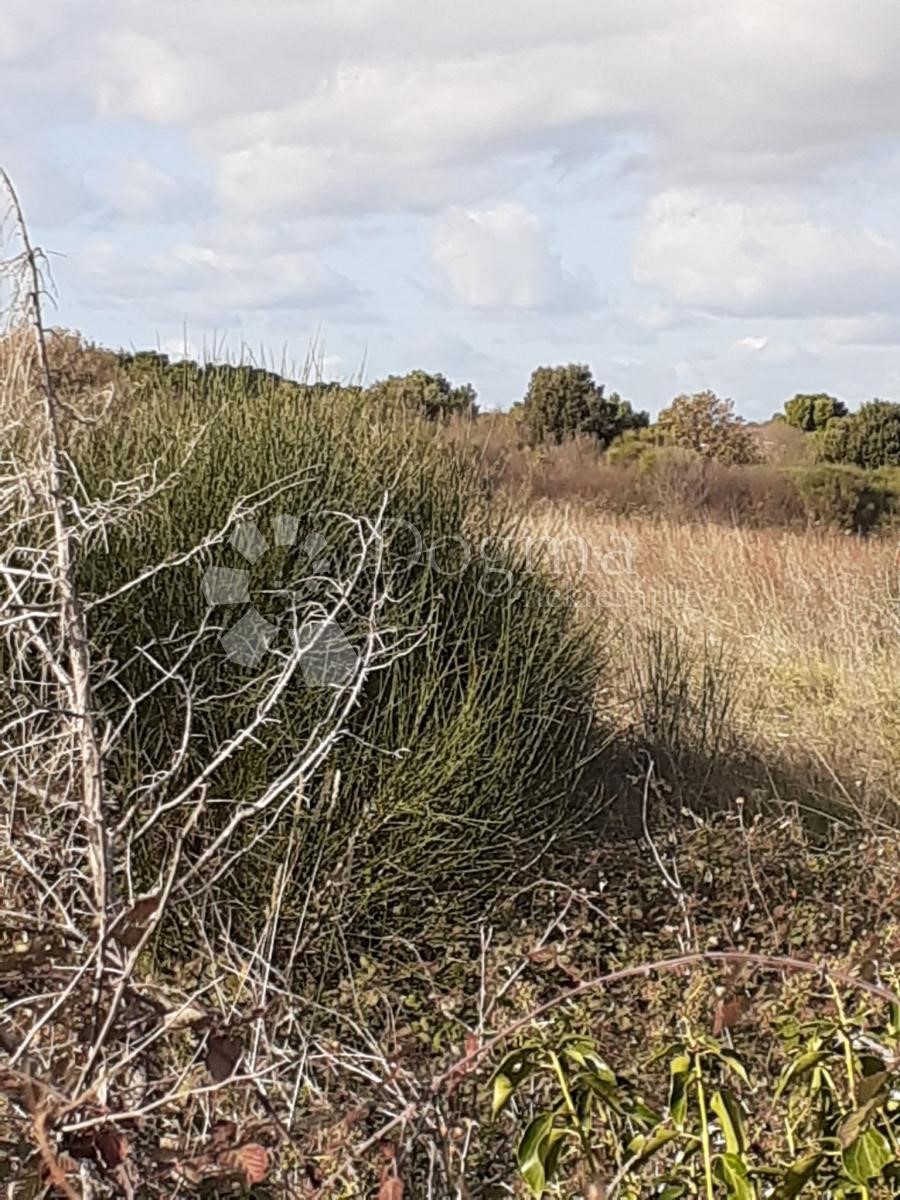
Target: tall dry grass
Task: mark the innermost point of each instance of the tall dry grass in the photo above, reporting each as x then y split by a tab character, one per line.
787	644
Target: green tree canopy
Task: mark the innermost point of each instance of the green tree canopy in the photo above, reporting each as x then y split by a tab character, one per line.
431	395
708	425
564	402
812	411
868	438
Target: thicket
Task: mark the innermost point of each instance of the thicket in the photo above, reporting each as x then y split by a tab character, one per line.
810	412
565	402
457	758
868	438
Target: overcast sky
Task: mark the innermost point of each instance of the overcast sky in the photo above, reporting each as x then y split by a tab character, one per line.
683	193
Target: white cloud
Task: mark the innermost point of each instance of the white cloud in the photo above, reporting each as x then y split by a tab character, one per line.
216	283
870	329
139	190
500	258
724	89
266	133
762	257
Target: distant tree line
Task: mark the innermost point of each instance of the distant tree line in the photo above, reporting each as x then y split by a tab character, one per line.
565	402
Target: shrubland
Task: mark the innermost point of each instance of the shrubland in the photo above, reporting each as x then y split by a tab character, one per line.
599	820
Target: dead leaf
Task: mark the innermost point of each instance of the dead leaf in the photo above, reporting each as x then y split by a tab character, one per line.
224	1134
222	1057
252	1161
111	1148
728	1013
133	925
391	1188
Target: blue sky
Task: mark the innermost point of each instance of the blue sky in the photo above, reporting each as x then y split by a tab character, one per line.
682	193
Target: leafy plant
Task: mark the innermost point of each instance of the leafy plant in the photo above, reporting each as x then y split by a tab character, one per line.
707	424
826	1124
430	396
813	412
565	402
868	438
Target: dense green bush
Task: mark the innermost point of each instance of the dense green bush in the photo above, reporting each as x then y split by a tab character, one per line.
460	762
847	497
813	412
565	402
431	396
869	438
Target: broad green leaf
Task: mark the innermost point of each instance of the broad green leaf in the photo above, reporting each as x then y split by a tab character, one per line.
514	1069
798	1175
732	1171
641	1149
731	1121
852	1126
583	1052
679	1070
736	1064
537	1142
799	1066
867	1157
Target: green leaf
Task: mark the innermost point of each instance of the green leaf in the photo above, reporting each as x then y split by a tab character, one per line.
514	1069
679	1070
732	1171
583	1052
538	1141
799	1066
731	1121
867	1157
852	1126
736	1064
641	1148
798	1175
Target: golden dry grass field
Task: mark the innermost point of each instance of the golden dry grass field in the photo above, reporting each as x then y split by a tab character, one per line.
787	642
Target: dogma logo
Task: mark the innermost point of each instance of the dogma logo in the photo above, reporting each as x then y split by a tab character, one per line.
326	657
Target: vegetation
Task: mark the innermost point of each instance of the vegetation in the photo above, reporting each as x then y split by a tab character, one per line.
812	412
584	870
484	724
869	438
707	424
431	396
565	402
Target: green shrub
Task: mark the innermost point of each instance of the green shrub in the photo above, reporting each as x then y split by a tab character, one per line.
460	762
565	402
868	438
846	497
631	446
813	412
431	396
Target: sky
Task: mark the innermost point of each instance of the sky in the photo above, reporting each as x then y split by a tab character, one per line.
685	194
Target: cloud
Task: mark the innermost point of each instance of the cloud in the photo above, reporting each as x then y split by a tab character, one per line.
870	329
138	190
761	258
500	259
216	283
723	90
736	159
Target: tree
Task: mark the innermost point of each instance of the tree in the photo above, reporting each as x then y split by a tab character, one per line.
433	396
868	438
707	424
812	412
565	402
627	420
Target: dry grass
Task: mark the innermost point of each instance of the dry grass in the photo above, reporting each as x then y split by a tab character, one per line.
802	631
